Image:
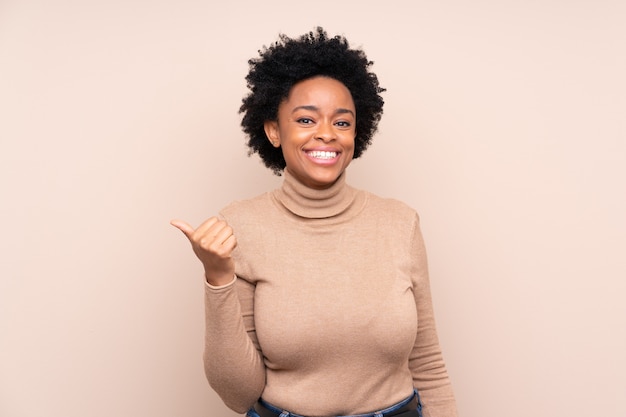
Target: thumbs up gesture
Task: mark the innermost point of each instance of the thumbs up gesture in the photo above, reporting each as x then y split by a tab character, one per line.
213	243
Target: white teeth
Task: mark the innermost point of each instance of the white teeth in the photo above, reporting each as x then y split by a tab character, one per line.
322	154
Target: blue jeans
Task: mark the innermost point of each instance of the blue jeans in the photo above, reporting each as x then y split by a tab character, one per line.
381	413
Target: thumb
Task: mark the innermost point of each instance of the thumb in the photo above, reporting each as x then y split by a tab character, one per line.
183	227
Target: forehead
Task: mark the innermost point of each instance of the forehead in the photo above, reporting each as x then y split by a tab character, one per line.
321	92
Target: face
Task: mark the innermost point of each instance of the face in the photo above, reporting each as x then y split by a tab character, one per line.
315	130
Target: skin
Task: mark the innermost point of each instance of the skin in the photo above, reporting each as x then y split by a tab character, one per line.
315	130
213	243
318	115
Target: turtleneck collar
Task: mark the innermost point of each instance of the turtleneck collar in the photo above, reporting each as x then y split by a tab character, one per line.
310	203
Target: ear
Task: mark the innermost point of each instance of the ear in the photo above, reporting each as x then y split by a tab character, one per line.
271	131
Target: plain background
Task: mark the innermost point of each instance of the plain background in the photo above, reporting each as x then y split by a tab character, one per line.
504	127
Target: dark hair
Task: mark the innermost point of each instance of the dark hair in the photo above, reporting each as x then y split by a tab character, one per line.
289	61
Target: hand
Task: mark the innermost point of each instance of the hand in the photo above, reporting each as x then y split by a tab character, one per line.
213	243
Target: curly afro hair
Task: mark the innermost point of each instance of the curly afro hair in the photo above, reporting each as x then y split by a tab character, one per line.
289	61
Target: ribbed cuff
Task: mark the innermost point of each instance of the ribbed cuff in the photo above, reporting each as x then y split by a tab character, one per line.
219	287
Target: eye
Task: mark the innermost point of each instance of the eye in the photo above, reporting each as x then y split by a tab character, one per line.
305	120
343	123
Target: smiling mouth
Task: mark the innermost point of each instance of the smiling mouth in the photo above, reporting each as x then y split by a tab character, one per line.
322	154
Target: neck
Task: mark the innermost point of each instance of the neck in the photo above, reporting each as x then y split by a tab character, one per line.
312	203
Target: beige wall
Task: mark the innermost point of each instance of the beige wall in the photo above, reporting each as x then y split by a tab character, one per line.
504	126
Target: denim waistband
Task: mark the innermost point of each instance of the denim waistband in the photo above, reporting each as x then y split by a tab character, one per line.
381	413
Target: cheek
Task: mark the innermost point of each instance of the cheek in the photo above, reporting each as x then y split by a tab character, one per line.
351	142
290	152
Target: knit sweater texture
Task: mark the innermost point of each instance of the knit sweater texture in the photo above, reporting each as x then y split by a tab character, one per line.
330	312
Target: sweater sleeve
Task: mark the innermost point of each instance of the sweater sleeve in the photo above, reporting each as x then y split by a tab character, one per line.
430	376
232	358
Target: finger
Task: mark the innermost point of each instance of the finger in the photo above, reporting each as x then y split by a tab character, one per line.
230	244
213	238
183	227
205	227
213	231
225	249
224	233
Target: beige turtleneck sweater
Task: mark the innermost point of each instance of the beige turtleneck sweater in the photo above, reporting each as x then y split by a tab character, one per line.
330	312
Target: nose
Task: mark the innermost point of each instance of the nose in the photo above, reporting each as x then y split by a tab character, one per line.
325	132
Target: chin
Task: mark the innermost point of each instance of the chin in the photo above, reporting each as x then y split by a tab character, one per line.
325	181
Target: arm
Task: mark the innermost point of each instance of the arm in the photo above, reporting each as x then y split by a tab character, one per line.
426	361
232	359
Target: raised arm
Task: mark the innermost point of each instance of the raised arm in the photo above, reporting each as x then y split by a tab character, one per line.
232	359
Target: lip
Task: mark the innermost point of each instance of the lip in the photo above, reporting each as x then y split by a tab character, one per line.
322	149
319	161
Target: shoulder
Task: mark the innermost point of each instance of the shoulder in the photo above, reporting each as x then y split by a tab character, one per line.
391	208
246	207
389	216
242	213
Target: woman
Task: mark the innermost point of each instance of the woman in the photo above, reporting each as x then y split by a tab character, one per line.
317	294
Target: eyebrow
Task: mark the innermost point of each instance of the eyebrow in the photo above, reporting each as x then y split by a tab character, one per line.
340	110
